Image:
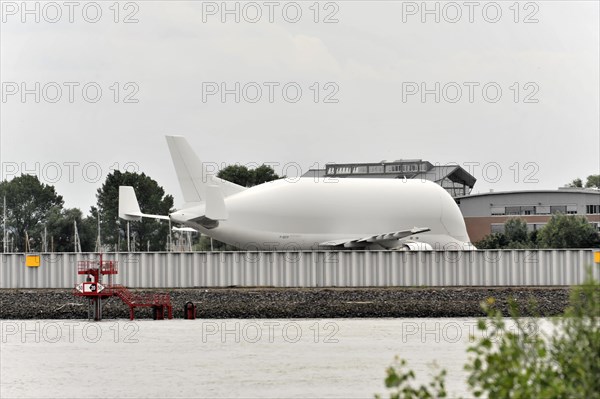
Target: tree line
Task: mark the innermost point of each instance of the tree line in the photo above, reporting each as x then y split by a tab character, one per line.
36	219
561	231
592	181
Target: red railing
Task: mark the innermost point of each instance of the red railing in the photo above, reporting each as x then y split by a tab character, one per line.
92	267
95	268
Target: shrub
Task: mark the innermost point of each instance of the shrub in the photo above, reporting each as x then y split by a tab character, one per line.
515	363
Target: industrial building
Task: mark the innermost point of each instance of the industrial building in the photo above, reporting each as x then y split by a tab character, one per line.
452	178
486	213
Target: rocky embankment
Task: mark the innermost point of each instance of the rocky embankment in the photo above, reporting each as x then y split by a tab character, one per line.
296	302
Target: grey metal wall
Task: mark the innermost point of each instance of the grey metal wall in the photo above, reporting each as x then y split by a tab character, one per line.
312	269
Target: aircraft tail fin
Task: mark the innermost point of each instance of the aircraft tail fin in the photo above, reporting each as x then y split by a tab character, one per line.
192	174
129	208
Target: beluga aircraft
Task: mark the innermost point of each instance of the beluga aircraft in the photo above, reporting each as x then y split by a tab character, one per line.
310	213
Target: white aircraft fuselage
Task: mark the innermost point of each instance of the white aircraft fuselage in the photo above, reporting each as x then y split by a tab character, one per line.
302	213
310	213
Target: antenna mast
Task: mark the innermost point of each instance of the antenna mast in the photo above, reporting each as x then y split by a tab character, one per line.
98	240
76	240
4	238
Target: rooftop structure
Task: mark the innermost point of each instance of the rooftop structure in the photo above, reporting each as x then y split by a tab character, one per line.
452	178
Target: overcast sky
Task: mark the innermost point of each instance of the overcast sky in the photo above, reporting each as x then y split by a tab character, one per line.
507	90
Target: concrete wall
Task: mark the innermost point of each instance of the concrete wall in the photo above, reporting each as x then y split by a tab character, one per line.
311	269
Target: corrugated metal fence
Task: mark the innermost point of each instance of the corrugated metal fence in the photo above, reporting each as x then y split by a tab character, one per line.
311	269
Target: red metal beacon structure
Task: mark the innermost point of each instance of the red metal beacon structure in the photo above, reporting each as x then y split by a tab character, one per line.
96	290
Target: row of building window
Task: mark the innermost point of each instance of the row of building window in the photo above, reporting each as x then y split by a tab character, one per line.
365	169
592	209
499	227
533	210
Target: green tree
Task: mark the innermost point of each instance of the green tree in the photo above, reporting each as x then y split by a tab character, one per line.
152	200
238	174
515	230
29	204
518	362
90	229
245	177
515	236
492	241
593	181
263	174
61	231
568	231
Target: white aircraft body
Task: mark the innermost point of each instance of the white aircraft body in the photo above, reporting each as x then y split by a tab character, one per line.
310	213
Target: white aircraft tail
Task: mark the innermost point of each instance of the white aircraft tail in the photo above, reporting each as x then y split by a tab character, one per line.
129	208
192	175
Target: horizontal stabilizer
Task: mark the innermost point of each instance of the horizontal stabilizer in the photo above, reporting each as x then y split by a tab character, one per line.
184	230
129	208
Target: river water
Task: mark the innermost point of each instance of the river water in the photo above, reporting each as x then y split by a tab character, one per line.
274	358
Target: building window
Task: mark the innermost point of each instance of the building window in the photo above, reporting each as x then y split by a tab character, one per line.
513	210
498	211
527	210
376	169
542	210
592	209
359	169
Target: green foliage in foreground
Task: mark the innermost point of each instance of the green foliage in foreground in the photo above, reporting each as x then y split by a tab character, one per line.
518	362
